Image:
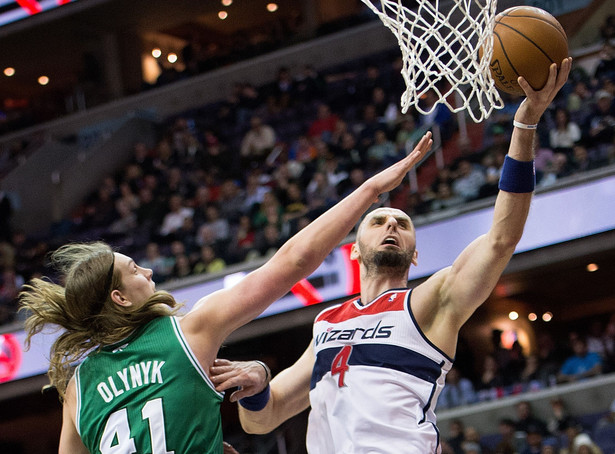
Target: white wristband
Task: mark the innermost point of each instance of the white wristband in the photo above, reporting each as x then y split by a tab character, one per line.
516	124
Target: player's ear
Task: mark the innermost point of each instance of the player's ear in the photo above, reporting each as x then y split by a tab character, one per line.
415	258
354	252
119	299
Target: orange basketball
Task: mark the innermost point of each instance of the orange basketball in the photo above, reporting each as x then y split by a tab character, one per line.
526	41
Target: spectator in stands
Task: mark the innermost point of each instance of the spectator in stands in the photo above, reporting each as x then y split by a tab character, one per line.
579	103
242	239
472	443
549	356
566	132
366	128
492	162
325	123
439	116
594	340
257	143
583	444
445	198
182	267
550	446
283	88
349	153
453	442
208	261
371	78
269	211
381	152
232	200
603	431
174	219
526	420
100	207
600	127
581	160
309	84
515	365
468	180
582	364
530	376
385	109
254	191
534	439
294	202
572	430
127	220
560	418
608	338
491	381
556	168
408	134
605	70
457	391
268	240
319	193
507	443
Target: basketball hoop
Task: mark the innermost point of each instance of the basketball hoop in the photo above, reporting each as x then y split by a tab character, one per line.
440	44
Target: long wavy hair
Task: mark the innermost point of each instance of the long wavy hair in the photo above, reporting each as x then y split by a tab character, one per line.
81	306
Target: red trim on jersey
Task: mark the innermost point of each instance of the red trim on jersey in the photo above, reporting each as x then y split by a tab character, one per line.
392	300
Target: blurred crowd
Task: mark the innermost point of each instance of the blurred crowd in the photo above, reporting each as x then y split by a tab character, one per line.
527	433
512	372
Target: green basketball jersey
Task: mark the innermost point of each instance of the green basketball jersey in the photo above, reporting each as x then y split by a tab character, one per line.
148	394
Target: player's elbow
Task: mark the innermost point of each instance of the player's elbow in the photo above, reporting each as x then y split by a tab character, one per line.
505	245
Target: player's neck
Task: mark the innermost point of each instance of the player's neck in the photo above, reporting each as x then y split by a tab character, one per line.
374	286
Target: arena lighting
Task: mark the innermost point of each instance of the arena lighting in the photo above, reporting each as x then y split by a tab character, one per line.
226	2
156	52
513	315
272	7
547	317
43	80
8	72
591	267
222	15
172	57
532	317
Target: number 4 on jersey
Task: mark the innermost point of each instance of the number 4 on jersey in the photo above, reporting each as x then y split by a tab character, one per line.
339	365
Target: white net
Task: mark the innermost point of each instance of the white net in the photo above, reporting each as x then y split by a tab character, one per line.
440	44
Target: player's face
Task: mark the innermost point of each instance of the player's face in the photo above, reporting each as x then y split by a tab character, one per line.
137	284
387	238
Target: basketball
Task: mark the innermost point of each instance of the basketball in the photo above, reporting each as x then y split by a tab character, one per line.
526	41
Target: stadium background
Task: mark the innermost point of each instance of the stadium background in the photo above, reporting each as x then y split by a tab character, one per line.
96	54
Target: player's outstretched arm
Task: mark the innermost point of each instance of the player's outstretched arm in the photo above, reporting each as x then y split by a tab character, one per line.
463	287
220	313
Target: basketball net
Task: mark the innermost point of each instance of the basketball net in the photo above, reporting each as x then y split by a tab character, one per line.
440	53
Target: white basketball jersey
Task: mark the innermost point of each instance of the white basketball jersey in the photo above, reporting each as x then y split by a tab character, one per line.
376	380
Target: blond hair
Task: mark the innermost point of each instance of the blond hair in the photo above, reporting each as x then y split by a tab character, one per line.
82	307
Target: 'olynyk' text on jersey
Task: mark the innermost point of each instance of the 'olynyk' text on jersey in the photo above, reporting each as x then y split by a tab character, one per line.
133	376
